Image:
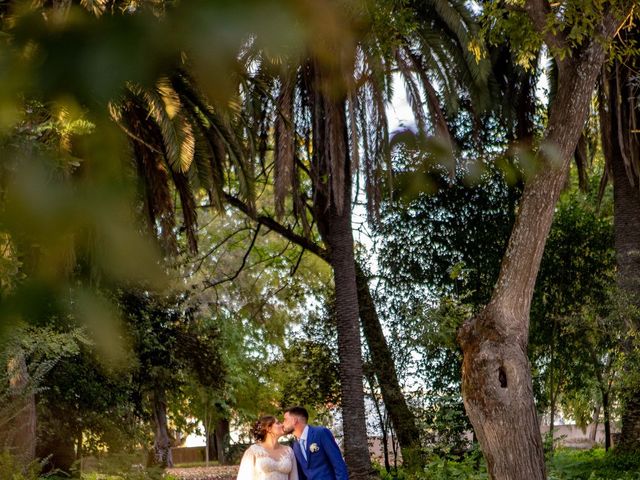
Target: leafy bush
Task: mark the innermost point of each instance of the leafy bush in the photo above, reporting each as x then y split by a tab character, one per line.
468	467
394	474
594	464
123	466
566	464
10	469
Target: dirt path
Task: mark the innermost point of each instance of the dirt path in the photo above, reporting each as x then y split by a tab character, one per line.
205	473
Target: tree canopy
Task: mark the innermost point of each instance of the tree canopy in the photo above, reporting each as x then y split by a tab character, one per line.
177	200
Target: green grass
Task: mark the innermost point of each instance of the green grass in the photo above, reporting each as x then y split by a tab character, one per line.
594	464
566	464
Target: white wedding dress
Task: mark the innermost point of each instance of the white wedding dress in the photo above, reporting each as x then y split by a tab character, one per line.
257	464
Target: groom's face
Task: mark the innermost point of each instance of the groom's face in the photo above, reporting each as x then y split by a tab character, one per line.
289	423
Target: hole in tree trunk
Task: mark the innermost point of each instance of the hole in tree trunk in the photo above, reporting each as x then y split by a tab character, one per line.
502	377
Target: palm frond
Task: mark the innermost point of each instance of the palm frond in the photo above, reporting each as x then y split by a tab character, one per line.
221	133
353	130
413	94
200	173
97	7
153	172
335	129
438	119
188	208
165	108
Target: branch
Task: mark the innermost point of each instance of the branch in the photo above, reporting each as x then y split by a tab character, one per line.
272	257
295	267
211	251
244	262
538	11
266	298
272	224
135	137
302	166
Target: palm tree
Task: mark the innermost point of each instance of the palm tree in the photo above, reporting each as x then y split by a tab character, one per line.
180	142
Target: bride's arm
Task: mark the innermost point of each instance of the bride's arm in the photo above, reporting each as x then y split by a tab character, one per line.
293	474
247	466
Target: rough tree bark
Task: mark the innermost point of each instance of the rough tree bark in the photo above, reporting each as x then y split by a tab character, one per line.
222	435
607	420
403	420
593	431
496	375
162	440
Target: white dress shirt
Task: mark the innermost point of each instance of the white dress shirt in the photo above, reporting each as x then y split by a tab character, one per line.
303	441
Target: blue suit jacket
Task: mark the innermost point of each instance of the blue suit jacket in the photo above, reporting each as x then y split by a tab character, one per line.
325	462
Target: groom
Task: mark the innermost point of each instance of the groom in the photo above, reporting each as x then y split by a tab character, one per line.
317	453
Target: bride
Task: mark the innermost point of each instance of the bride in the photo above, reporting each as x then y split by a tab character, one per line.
267	459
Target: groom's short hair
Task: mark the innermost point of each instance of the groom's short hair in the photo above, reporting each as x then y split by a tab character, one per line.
298	411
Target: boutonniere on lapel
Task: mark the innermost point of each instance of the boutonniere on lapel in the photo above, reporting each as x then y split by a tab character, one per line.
313	448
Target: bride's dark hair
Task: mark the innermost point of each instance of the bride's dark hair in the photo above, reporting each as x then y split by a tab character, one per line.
259	430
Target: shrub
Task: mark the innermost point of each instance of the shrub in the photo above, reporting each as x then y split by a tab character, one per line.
122	466
10	469
566	464
594	464
471	466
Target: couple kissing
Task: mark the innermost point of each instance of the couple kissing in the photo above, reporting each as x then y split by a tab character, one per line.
315	454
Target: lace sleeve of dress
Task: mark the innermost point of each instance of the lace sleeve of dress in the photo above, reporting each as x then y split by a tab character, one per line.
247	465
293	474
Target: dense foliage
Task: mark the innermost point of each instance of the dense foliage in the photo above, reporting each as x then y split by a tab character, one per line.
169	173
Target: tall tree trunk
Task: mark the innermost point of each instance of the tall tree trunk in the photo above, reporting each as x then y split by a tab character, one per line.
79	446
331	172
496	375
222	435
552	387
381	422
622	150
212	447
337	234
21	431
607	420
394	447
404	422
162	440
596	421
207	434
